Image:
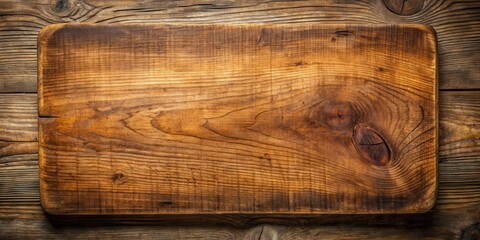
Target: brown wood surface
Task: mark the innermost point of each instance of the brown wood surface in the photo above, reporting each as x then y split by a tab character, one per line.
456	214
456	23
297	118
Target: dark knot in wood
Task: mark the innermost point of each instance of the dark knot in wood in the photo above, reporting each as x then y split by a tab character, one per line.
335	115
371	145
61	6
118	178
340	115
404	7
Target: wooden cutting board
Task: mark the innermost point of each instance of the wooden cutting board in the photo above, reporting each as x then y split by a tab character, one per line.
190	119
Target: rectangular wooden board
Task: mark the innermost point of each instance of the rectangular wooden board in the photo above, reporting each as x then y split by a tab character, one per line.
192	119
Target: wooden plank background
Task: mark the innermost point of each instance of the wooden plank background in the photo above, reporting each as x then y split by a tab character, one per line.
456	214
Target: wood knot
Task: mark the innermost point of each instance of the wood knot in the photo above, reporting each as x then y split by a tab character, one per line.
335	115
261	232
404	7
371	146
61	6
118	178
339	115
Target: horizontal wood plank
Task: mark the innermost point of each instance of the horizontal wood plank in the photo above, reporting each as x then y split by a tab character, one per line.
456	22
448	224
18	117
455	214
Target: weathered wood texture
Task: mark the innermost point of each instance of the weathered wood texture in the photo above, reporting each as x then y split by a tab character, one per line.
18	120
294	118
456	22
456	213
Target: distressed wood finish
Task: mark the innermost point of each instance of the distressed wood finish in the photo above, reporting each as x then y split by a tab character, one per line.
454	216
18	119
457	23
457	210
237	119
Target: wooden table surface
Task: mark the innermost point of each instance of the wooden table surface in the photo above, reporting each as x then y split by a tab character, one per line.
456	214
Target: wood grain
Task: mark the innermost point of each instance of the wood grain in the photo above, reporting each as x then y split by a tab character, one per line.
237	118
18	117
454	216
457	210
459	146
455	21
